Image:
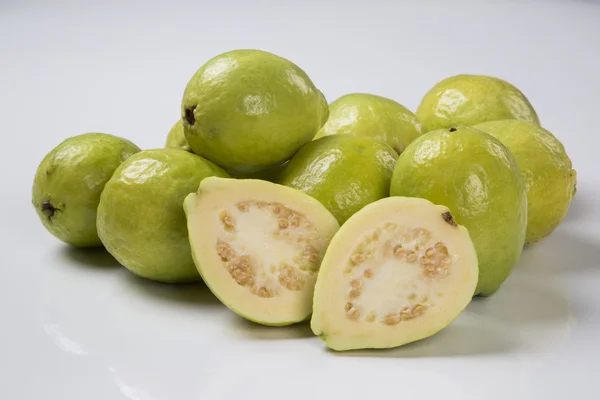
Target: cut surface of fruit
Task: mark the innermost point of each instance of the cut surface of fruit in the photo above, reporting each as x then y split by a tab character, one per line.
258	246
397	271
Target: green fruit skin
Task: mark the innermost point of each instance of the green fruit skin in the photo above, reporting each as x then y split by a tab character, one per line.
141	219
176	138
472	99
476	177
547	171
247	110
374	116
71	178
343	172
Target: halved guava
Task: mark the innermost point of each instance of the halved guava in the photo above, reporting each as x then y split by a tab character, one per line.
398	271
258	246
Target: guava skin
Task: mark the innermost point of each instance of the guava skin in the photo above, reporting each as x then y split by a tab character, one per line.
176	138
367	114
471	99
547	171
68	183
477	178
343	172
141	219
246	110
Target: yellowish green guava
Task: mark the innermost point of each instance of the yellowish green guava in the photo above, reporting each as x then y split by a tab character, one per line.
547	171
258	246
247	110
343	172
141	220
397	271
477	178
69	180
176	138
365	114
471	99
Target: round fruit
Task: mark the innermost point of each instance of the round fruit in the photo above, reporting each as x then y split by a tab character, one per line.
68	183
365	114
141	220
258	246
471	99
398	271
477	178
343	172
247	110
176	138
547	172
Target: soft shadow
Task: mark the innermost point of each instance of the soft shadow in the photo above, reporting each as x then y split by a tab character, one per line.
91	257
582	206
185	293
256	331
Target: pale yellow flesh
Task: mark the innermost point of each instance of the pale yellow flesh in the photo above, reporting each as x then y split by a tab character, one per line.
258	235
392	283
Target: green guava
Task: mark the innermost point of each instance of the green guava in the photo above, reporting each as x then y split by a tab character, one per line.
343	172
366	114
247	110
547	171
69	180
399	270
471	99
141	220
176	138
477	178
258	246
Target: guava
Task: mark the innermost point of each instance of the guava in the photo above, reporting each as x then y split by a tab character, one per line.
176	138
470	99
366	114
547	171
69	180
343	172
477	178
247	110
399	270
258	246
141	220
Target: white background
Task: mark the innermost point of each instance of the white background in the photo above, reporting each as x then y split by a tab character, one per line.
73	325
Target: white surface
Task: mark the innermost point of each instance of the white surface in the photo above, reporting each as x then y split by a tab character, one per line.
74	326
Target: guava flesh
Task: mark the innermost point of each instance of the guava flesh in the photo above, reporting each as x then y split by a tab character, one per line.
477	178
471	99
365	114
258	246
141	220
343	172
247	110
397	271
68	183
547	171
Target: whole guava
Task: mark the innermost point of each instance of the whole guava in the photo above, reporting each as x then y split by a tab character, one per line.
547	171
176	138
365	114
69	180
247	110
141	219
470	99
477	178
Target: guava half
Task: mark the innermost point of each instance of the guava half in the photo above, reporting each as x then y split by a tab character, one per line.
247	110
477	178
366	114
470	99
397	271
68	183
141	220
343	172
258	246
547	171
176	138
